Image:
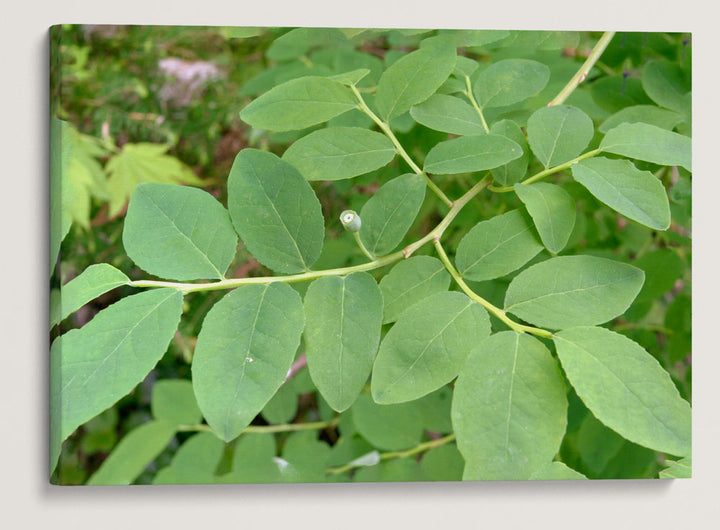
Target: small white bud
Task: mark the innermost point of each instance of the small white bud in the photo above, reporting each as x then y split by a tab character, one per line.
350	220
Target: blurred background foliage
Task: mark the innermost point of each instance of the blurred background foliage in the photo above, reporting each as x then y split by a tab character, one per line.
161	103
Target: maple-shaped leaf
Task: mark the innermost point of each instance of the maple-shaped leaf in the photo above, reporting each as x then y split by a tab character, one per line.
143	162
84	177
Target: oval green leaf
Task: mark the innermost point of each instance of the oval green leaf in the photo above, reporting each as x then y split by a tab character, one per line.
679	469
471	153
413	78
390	212
509	81
666	84
195	461
559	134
498	246
568	291
98	364
243	353
409	282
91	283
647	142
299	103
638	195
557	471
178	233
275	211
665	119
448	114
342	333
134	452
173	400
427	346
552	210
387	427
340	153
512	172
626	388
509	408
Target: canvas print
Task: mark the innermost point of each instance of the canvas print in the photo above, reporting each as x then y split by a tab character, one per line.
367	255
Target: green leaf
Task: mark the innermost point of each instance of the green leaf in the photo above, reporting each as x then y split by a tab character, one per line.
352	77
498	246
178	233
339	153
557	471
663	267
398	470
409	282
307	457
567	291
509	81
514	171
387	427
597	444
60	153
638	195
96	365
253	461
143	162
195	462
666	85
296	42
299	103
413	78
471	153
625	388
247	344
559	134
443	463
91	283
509	408
342	333
649	143
448	114
553	212
427	346
679	469
275	211
82	177
134	452
173	400
665	119
389	213
283	406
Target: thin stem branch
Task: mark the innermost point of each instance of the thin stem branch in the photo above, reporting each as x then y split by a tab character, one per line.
469	94
499	313
420	448
547	172
385	127
582	73
284	427
312	275
363	248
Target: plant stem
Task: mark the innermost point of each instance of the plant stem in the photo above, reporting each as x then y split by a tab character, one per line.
385	127
284	427
425	446
312	275
547	172
363	248
499	313
470	96
458	205
582	73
